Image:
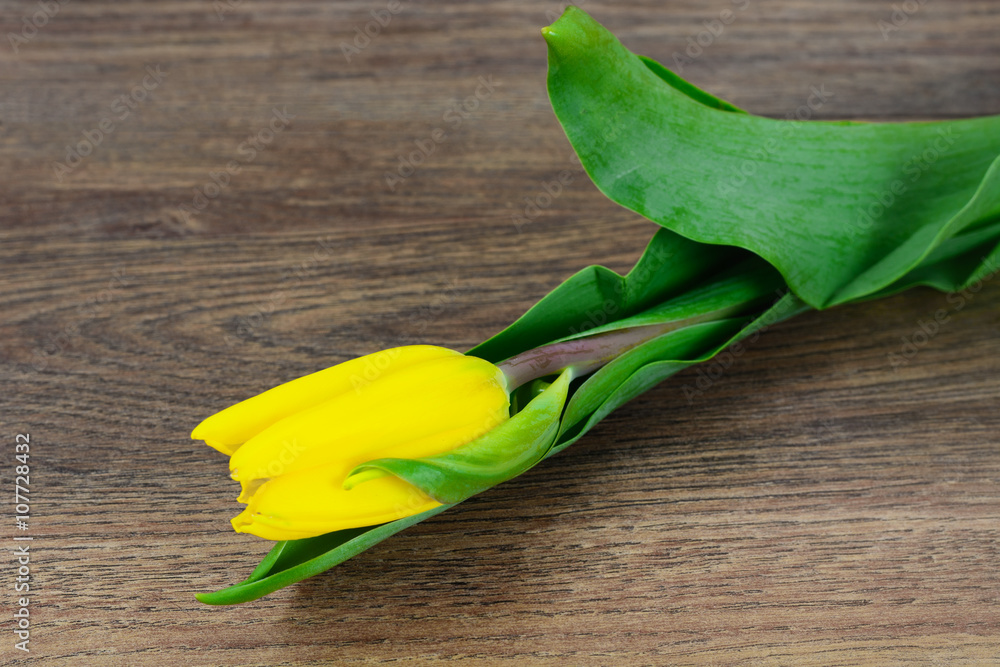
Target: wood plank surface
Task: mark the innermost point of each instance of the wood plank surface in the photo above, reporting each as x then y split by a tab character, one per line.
813	503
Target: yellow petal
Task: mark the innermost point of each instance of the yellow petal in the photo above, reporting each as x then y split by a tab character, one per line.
427	408
230	428
311	502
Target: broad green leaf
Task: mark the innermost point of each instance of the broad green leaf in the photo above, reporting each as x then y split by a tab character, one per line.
841	209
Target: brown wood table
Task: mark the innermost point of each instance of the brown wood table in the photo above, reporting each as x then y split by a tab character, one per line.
197	205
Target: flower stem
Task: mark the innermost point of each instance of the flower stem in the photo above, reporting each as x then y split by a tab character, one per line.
584	355
740	291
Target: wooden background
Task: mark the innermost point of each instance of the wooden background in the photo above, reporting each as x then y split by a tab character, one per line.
815	506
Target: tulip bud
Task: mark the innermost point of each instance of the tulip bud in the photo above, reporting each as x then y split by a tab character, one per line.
293	446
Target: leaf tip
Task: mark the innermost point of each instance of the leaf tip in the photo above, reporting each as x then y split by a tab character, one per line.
572	32
207	598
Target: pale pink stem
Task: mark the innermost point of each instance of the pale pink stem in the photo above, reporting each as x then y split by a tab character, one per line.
587	354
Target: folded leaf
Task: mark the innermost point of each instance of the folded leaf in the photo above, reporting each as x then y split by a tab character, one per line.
841	209
643	367
596	295
505	452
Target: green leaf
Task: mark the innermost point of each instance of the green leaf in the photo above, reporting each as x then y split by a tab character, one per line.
688	89
955	264
645	366
591	401
505	452
743	289
843	210
292	561
739	299
596	295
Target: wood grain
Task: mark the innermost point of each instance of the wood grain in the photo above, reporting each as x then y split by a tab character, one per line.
814	505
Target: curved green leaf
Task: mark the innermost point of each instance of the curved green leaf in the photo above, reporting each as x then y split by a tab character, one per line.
292	561
505	452
645	366
596	295
746	288
590	402
841	209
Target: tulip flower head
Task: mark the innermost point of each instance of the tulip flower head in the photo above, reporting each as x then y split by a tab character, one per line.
293	447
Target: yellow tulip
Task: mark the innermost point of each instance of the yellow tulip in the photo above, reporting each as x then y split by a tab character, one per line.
293	446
